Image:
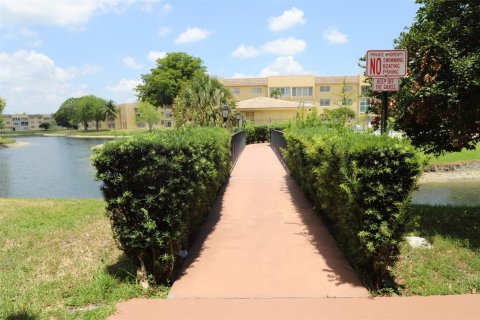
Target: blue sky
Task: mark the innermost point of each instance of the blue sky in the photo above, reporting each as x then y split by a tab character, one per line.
51	50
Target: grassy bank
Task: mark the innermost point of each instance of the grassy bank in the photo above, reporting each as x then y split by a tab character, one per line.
58	261
452	266
464	155
5	141
116	133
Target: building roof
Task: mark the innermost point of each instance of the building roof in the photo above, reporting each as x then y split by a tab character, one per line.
337	79
266	103
245	82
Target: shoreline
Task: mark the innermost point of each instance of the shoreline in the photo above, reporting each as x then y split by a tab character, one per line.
16	144
448	176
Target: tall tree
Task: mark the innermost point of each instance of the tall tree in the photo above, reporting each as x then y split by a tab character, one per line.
164	82
147	113
67	113
438	105
200	102
345	95
2	106
110	109
275	93
90	108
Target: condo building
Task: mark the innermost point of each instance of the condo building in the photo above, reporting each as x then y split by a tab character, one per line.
277	98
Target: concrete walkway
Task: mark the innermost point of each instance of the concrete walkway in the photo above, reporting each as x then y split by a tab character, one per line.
264	254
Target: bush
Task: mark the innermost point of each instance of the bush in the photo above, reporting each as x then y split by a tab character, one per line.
261	133
158	188
362	185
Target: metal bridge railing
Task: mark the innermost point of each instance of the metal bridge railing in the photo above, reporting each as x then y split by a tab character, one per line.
237	145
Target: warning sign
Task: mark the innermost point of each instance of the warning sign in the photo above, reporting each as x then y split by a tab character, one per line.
386	63
385	84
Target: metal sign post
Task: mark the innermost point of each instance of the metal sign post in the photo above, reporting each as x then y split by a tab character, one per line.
386	67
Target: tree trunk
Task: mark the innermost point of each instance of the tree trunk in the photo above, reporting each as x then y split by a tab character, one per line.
142	277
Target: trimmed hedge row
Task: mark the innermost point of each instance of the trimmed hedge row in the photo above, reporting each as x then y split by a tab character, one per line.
361	184
158	188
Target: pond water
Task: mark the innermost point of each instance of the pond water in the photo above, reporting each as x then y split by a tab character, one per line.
456	193
49	167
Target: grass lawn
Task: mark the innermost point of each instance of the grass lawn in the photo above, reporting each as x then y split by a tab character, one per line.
4	140
464	155
58	261
452	266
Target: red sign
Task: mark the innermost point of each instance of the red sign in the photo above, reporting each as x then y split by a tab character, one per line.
386	63
385	84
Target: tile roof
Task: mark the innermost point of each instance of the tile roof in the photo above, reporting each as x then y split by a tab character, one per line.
266	103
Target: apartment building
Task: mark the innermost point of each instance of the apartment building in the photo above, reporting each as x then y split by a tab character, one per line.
322	92
23	121
126	119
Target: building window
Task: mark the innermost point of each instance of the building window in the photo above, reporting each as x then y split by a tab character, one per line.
363	105
256	90
324	102
284	91
235	91
302	91
168	114
169	124
349	88
324	88
347	102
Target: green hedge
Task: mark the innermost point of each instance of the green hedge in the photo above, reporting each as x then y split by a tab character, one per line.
261	133
361	184
158	188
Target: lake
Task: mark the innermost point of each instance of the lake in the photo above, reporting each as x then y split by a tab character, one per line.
49	167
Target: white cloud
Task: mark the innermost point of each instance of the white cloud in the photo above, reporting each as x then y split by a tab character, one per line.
284	66
285	46
167	8
131	63
333	36
124	90
192	35
62	13
245	52
155	55
29	36
163	31
31	82
287	20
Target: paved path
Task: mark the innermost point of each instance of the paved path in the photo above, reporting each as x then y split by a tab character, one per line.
264	254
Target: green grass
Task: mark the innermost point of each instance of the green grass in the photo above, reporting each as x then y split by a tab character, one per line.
58	261
464	155
5	141
452	266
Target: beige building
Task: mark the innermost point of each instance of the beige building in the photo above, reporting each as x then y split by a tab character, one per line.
321	92
126	119
23	121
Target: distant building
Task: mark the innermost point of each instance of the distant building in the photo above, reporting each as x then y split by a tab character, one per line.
23	121
253	95
126	119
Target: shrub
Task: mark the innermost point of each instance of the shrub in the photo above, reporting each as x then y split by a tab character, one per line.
261	133
361	184
158	188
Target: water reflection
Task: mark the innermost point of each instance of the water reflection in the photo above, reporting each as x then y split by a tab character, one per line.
49	167
464	192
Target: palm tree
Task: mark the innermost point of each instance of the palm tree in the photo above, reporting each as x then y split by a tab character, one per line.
275	93
110	109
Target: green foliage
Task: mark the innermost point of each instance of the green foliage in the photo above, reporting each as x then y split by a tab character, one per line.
361	184
261	133
44	125
340	116
346	97
438	105
164	82
147	113
65	115
2	106
158	188
275	93
200	103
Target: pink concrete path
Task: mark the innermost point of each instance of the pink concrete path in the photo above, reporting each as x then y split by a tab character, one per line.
264	254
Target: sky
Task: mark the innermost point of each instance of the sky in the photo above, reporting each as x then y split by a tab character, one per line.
51	50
